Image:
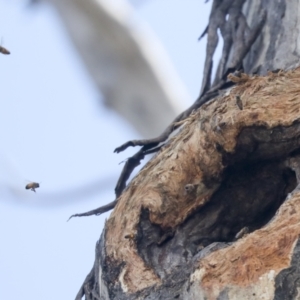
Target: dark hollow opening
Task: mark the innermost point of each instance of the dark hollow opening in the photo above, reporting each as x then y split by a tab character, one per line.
249	197
253	186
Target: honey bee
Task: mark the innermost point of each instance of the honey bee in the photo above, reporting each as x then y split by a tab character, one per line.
4	50
129	236
32	186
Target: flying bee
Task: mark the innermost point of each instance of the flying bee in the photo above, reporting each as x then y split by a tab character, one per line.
32	186
3	50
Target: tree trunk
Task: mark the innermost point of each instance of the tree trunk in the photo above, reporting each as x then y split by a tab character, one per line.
216	213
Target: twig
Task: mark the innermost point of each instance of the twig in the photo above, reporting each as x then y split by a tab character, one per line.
130	165
150	143
98	211
203	33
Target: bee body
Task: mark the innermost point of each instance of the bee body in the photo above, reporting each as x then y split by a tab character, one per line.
32	186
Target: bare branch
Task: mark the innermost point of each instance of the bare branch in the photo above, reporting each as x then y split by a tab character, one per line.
98	211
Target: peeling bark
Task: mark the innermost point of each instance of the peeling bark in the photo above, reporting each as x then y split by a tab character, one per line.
216	213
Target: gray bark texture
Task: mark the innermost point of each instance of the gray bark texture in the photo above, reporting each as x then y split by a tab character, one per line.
215	214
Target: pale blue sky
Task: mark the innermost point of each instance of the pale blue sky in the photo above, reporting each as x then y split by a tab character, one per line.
54	129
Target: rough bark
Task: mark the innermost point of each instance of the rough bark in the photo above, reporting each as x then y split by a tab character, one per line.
215	214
